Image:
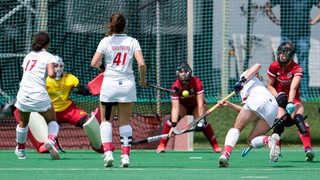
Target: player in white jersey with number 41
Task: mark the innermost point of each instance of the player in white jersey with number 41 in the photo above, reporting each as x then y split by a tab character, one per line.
118	86
33	96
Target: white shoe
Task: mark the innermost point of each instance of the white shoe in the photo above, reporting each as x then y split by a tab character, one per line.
108	159
124	160
21	153
274	148
49	144
224	159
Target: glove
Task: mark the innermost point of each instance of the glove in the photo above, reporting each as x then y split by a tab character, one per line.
282	99
102	67
200	126
239	85
82	89
290	108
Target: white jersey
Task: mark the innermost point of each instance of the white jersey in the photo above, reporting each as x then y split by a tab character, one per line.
32	95
118	51
118	84
258	98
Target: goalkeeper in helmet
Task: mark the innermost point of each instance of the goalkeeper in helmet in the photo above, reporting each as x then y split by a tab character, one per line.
192	103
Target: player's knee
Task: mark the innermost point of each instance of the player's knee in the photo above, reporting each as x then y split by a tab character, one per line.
299	121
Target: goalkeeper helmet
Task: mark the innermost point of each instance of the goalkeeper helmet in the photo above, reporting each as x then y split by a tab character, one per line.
285	53
58	67
184	72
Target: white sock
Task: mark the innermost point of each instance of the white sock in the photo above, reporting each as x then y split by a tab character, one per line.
21	134
125	135
106	132
53	128
232	137
257	142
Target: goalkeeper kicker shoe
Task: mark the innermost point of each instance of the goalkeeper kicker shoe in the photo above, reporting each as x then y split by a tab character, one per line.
309	155
21	153
108	159
50	145
274	148
124	160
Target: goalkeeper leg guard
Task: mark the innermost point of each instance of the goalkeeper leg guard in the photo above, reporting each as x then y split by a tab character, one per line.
91	128
299	120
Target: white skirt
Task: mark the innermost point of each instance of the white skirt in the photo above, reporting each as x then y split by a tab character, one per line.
33	101
265	107
118	89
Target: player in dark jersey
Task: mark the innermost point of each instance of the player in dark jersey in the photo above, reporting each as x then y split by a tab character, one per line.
284	77
193	104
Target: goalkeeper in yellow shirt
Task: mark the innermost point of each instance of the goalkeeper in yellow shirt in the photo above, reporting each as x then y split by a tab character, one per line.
67	111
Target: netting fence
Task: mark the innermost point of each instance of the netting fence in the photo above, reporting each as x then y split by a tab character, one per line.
218	38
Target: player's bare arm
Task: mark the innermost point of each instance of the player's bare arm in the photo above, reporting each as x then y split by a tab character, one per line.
96	60
268	8
270	83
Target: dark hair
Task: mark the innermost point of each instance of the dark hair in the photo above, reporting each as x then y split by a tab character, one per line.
40	40
117	24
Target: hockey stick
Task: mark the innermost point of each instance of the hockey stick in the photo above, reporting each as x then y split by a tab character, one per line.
175	91
154	138
194	122
280	120
59	146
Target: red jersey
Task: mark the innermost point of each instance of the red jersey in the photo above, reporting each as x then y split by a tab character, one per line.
283	79
195	88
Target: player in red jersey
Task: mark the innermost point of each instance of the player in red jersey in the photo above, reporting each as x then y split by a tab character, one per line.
284	77
193	104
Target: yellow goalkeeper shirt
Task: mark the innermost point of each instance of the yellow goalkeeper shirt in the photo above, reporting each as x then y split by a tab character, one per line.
59	90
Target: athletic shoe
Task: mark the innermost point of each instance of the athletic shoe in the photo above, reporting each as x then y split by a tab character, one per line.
274	148
216	148
21	153
161	148
309	154
108	159
50	145
124	160
224	159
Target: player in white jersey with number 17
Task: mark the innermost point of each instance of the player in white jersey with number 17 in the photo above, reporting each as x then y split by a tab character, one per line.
118	86
33	96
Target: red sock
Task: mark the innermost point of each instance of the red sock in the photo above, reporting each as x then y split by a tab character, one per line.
166	129
305	139
52	137
209	134
227	150
126	150
108	146
21	146
265	140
